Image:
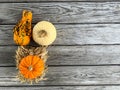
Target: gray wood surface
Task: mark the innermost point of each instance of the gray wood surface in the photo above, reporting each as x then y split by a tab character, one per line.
59	12
63	88
79	34
86	53
66	75
70	55
29	1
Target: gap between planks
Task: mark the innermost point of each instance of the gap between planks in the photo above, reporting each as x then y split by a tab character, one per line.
71	56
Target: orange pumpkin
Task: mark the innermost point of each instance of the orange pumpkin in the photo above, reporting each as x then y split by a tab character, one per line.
22	31
31	66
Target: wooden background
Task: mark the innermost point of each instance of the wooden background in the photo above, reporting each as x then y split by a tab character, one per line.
86	53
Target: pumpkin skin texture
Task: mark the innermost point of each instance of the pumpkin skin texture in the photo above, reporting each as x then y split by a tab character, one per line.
44	33
22	30
31	66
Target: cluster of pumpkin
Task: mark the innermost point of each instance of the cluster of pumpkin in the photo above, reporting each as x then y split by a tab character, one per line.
43	33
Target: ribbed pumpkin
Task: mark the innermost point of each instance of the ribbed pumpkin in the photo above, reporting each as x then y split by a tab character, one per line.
31	66
44	33
22	31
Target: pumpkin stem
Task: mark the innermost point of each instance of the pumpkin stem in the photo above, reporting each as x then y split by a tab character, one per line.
42	33
30	68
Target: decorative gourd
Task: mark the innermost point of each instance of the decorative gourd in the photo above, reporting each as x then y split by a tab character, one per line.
44	33
31	67
22	31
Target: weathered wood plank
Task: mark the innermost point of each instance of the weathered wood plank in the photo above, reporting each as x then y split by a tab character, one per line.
70	55
59	12
28	1
64	88
84	55
74	34
88	75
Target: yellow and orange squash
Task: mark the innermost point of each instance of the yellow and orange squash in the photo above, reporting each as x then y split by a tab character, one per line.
22	31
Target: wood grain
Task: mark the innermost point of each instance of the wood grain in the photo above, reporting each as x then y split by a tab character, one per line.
63	88
59	12
29	1
87	56
79	34
70	55
95	75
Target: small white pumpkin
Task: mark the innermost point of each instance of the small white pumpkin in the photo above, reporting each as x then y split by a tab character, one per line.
44	33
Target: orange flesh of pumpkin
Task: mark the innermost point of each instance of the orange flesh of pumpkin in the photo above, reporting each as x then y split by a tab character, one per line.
37	64
22	31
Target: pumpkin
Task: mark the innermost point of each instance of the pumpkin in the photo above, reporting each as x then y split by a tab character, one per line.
31	66
22	31
44	33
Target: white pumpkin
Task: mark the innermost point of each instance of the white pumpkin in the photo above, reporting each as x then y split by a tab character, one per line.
44	33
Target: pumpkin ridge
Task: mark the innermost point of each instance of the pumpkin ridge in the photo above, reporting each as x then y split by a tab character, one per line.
29	59
24	62
33	73
24	72
32	60
36	73
33	76
22	67
38	66
38	63
36	60
27	74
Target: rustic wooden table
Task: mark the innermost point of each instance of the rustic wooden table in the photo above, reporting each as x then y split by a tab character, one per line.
86	53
